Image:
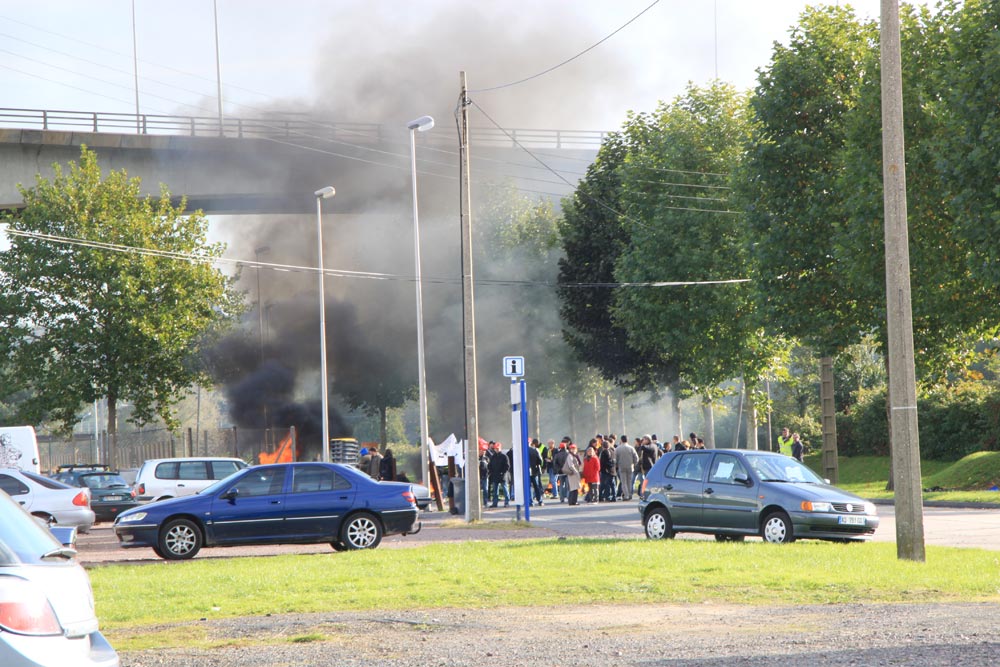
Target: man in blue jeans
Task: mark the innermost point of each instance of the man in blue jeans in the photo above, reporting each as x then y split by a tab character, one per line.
558	459
499	466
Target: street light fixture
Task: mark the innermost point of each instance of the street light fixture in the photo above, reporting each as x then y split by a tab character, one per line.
421	124
321	194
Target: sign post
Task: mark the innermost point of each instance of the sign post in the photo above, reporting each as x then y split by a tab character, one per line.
513	367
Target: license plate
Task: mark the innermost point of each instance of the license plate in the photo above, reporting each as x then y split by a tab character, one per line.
851	520
113	498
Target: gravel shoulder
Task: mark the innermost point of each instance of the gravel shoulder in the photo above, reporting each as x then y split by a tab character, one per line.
598	636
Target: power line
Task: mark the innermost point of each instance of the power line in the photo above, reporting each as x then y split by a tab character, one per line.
569	60
371	275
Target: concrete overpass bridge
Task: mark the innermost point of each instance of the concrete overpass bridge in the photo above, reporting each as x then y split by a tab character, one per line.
274	164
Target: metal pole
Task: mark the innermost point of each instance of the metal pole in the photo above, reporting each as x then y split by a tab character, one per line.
473	506
218	62
135	70
424	123
904	437
324	390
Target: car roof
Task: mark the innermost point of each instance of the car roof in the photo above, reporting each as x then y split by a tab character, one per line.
194	458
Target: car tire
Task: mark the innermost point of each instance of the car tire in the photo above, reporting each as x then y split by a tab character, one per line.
361	531
47	518
777	528
657	524
180	539
338	545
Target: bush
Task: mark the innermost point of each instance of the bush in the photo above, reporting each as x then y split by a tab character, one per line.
952	423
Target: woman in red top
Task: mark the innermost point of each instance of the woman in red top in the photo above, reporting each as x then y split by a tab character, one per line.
591	473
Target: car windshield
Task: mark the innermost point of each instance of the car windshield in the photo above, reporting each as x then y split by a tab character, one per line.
782	469
22	538
103	481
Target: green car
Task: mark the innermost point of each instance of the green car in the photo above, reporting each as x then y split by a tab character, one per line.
733	493
110	494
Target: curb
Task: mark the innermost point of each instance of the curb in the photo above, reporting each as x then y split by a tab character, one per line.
944	504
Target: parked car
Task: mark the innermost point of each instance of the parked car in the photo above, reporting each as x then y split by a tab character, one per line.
49	499
46	606
159	479
68	474
734	493
110	494
284	503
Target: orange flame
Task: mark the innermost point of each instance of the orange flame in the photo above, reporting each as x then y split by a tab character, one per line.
285	452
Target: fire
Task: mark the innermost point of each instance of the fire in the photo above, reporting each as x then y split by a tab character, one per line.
284	453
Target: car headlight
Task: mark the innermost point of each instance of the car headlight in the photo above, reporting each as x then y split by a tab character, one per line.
810	506
128	518
870	508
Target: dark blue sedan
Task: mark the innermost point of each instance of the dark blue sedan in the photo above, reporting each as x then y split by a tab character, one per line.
287	503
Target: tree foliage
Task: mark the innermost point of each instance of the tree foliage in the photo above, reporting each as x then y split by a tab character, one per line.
593	237
82	320
681	229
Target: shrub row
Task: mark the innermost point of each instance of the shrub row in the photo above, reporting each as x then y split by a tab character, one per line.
963	420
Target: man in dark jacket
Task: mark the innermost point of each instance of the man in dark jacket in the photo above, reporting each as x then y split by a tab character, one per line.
558	461
499	466
535	471
609	471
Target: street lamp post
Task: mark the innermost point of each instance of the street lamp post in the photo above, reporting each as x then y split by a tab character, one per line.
324	193
421	124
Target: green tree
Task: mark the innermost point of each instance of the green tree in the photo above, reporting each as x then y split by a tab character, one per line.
968	152
681	228
594	235
94	306
789	183
950	307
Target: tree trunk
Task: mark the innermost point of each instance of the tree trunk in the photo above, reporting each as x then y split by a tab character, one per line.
827	401
113	429
675	407
621	411
536	408
607	413
709	415
596	421
383	429
739	416
751	410
572	419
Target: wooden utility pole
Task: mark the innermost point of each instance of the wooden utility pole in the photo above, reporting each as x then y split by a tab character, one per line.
473	504
903	436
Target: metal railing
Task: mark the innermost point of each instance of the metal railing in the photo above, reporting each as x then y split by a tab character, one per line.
286	126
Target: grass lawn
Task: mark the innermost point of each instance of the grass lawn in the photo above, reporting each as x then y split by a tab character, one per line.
965	480
134	602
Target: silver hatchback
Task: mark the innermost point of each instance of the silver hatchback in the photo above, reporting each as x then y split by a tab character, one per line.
733	493
46	605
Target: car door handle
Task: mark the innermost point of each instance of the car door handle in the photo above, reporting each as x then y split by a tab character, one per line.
709	491
669	487
275	502
180	486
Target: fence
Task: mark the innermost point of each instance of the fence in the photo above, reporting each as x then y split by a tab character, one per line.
130	449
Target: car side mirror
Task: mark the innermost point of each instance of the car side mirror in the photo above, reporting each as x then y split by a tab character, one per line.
231	494
742	479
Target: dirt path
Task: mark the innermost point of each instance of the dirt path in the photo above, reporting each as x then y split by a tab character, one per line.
599	636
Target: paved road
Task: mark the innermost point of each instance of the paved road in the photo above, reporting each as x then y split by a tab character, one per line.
957	527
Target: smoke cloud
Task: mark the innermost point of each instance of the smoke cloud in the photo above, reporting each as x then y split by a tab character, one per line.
380	69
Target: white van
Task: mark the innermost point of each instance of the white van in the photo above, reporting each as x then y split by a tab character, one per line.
19	448
159	479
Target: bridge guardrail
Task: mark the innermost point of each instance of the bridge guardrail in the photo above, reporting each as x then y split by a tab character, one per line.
288	126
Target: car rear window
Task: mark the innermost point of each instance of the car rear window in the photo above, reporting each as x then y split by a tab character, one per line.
223	469
691	466
13	486
317	478
45	481
22	538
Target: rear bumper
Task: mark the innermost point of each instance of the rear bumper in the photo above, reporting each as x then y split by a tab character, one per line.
405	522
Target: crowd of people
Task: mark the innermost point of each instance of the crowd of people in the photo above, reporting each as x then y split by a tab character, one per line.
609	469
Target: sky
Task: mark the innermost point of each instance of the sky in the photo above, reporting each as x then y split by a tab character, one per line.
364	60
